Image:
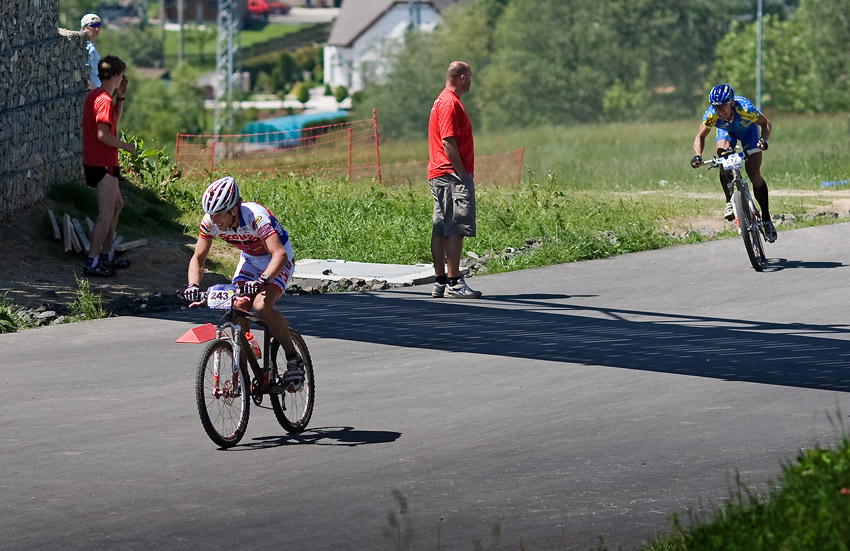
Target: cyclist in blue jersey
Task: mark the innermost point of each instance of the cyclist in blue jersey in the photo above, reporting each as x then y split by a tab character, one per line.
265	264
737	119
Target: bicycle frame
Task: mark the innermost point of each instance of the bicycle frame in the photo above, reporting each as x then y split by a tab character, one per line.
747	217
229	328
733	164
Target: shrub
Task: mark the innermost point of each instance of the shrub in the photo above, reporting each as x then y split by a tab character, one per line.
340	93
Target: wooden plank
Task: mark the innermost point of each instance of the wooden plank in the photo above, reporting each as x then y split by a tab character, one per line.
90	224
117	240
75	243
131	245
56	233
66	225
81	234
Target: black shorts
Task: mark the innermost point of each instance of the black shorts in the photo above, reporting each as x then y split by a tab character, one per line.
94	174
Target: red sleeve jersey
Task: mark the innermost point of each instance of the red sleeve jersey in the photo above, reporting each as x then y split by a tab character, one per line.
448	119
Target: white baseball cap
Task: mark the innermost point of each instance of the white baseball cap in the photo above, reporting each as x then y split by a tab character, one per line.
88	19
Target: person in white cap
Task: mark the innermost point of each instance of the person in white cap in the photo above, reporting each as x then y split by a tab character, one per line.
90	24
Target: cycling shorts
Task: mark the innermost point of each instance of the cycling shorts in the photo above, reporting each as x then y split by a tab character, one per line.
250	268
748	137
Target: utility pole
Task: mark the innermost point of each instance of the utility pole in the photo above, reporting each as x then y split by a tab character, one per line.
226	46
758	57
179	32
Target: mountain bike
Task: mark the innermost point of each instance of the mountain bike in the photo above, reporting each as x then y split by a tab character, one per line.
747	217
222	388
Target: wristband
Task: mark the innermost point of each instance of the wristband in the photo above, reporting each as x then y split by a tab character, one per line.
119	99
264	279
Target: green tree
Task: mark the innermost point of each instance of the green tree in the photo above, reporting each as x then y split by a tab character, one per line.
142	48
805	64
403	95
340	93
549	64
404	98
306	58
71	11
158	112
623	101
554	61
201	37
825	34
302	93
782	64
285	72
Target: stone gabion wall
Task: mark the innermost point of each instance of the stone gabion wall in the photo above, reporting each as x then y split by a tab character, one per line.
42	88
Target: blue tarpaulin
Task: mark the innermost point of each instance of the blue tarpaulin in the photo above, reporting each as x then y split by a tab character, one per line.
285	131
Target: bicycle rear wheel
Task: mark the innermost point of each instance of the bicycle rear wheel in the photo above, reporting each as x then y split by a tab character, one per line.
749	231
222	396
293	409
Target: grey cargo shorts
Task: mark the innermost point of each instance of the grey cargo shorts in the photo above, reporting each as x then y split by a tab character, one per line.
454	205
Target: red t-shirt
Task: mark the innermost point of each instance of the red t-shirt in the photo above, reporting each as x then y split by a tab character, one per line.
448	118
98	109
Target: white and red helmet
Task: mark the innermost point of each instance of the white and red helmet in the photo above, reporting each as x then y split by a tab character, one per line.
221	195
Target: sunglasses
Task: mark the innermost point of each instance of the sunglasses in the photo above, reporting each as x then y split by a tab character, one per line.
93	25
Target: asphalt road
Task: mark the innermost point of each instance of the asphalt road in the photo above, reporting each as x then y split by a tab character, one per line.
571	402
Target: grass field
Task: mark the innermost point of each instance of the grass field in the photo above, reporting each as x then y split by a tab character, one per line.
587	192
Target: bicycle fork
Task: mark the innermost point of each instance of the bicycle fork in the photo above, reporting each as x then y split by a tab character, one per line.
221	390
754	217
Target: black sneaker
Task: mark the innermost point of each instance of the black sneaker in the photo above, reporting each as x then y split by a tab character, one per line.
769	231
116	263
98	271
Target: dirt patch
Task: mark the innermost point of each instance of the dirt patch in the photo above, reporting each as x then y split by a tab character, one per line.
34	269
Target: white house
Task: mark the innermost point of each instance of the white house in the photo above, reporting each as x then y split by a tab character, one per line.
364	29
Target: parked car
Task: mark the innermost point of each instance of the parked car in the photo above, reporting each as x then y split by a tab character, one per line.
257	8
278	7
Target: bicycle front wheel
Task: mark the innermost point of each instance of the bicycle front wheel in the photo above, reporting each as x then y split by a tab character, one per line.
293	409
748	222
222	395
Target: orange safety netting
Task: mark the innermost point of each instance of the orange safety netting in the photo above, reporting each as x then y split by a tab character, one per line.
349	150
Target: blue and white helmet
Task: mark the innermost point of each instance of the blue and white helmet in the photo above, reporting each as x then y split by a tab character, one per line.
720	94
220	196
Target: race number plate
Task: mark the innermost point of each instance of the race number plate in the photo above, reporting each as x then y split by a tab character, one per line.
220	297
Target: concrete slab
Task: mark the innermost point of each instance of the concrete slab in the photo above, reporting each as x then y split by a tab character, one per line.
335	269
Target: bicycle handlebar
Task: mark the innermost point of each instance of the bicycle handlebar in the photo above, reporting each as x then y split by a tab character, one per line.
715	161
203	295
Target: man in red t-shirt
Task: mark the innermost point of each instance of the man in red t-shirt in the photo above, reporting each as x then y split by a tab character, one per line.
451	164
101	114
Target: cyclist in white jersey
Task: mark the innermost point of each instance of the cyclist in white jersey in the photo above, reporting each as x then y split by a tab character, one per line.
265	264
